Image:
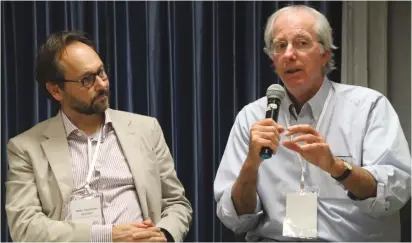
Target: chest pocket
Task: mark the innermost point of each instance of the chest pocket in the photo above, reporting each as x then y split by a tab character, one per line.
341	147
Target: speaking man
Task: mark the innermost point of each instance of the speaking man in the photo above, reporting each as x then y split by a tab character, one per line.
340	169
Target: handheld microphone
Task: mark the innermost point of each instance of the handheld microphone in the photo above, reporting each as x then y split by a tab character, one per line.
274	94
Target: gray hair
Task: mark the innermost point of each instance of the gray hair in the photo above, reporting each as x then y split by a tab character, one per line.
323	31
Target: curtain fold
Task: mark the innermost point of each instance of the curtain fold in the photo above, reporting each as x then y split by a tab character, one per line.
192	65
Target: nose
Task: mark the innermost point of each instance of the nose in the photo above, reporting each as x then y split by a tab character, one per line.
101	83
290	51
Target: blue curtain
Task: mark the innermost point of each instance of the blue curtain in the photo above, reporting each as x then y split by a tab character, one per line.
192	65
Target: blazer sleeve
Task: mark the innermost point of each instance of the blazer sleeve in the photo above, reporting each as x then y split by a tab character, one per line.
176	213
25	218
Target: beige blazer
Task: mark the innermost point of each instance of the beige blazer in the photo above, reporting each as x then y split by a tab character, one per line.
40	180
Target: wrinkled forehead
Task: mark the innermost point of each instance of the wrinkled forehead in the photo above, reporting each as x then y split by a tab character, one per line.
294	22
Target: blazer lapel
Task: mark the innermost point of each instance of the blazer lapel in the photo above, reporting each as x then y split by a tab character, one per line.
56	150
128	140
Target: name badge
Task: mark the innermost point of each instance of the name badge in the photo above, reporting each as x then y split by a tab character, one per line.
301	215
87	210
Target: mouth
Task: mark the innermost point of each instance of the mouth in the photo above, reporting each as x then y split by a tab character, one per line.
293	70
101	97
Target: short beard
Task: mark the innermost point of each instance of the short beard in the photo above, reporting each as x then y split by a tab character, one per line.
95	107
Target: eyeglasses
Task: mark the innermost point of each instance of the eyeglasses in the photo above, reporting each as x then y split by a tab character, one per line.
300	45
89	80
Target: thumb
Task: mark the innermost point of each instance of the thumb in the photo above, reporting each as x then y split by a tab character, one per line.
280	128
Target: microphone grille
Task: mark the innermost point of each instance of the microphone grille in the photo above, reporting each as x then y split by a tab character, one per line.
275	91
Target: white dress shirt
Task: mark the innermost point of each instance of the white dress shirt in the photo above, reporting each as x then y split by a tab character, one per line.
360	126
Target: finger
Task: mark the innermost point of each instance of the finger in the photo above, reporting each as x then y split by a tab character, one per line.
146	234
140	225
148	222
272	136
157	239
260	128
267	122
281	129
292	146
259	142
303	128
154	229
318	147
307	138
266	129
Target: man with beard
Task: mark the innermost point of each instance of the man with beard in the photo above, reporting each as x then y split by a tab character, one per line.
91	173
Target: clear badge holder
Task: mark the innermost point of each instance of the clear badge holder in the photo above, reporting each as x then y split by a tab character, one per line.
301	211
85	205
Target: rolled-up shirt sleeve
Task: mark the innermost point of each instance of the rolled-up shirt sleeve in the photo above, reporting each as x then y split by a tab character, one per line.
232	161
227	213
387	158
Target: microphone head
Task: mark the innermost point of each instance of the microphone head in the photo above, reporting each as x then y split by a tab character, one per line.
275	91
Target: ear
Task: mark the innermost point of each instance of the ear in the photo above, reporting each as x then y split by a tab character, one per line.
55	91
325	57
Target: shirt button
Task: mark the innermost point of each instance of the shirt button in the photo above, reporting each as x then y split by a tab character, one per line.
387	204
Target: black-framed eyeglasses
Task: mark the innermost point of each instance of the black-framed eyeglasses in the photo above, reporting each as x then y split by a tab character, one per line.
88	81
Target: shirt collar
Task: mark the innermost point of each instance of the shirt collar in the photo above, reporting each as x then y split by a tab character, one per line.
287	105
70	127
316	103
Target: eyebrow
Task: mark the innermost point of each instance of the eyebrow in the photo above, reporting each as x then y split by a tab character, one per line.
91	72
303	36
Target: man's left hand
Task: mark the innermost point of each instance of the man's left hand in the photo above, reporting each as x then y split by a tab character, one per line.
314	148
149	224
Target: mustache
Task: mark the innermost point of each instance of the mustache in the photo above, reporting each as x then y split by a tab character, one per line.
101	93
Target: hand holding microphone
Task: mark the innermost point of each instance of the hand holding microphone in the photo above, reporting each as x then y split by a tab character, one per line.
265	134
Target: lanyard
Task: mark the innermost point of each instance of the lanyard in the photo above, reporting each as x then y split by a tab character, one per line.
92	160
322	114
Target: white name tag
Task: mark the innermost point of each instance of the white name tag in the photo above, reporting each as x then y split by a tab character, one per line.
86	210
301	215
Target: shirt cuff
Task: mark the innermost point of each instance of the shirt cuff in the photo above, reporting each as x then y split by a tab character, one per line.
102	233
168	236
374	205
243	222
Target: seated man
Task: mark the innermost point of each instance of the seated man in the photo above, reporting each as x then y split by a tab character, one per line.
345	144
91	173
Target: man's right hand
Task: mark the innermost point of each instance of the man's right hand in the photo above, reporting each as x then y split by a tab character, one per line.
132	233
264	133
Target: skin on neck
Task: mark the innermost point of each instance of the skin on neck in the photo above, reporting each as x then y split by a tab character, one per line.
89	124
300	98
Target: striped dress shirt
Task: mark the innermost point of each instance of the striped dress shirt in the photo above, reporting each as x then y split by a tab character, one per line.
111	177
